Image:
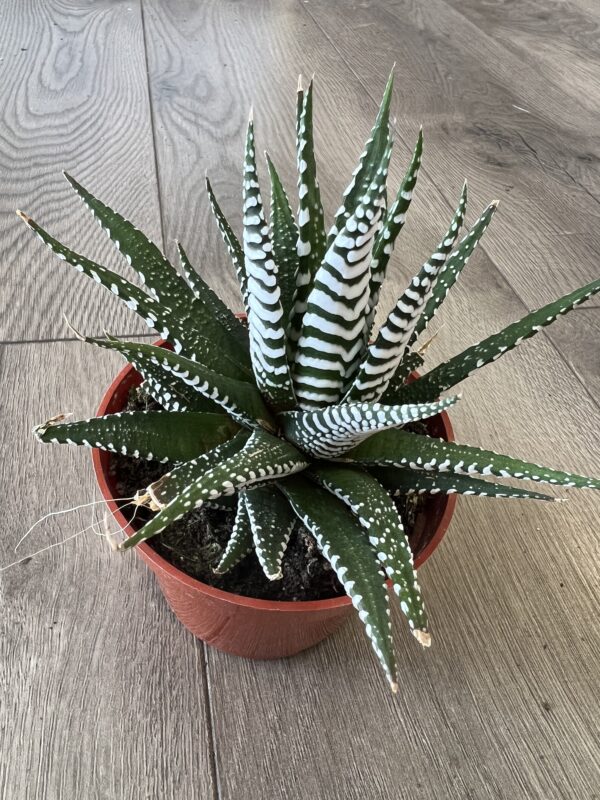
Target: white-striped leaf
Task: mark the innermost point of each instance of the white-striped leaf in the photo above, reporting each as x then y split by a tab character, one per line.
264	457
159	435
224	315
156	273
332	431
312	241
410	363
284	236
240	542
451	270
344	544
398	448
241	400
333	325
461	366
234	248
265	314
170	485
272	521
169	391
390	346
370	161
406	481
191	329
376	512
392	225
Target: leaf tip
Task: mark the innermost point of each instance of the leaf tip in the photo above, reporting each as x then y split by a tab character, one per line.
27	220
423	637
300	89
394	687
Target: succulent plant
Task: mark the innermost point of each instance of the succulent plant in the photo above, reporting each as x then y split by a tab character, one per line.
300	414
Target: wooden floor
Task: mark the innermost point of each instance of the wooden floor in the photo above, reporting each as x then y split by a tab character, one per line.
102	694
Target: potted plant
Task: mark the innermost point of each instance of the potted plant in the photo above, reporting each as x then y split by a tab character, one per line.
302	417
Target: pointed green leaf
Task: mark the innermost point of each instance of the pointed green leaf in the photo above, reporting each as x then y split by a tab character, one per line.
193	330
284	235
171	392
390	346
407	481
160	435
240	542
311	226
241	400
265	314
344	544
155	271
397	448
370	161
170	485
272	521
392	225
450	273
464	364
220	310
409	364
332	327
263	458
234	248
376	512
332	431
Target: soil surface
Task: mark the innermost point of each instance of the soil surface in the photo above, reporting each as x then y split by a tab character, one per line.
194	544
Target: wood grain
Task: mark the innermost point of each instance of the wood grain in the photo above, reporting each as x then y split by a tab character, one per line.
73	94
102	692
501	706
521	139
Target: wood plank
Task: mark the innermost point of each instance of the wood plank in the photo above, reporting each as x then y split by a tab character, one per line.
557	38
468	90
501	706
74	94
102	692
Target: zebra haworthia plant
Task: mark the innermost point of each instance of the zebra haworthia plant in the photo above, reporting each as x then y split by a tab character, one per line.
300	414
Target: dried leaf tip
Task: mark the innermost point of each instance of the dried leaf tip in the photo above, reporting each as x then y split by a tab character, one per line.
394	687
39	430
494	203
422	637
251	115
300	89
27	220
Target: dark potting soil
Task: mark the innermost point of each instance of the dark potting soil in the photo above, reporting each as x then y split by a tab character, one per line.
195	543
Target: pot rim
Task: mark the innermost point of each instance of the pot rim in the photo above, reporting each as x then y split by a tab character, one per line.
101	461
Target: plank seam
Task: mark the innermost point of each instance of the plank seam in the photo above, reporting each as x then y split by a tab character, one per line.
208	702
152	126
75	339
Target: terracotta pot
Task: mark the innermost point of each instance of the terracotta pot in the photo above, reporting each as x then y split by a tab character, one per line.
241	625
